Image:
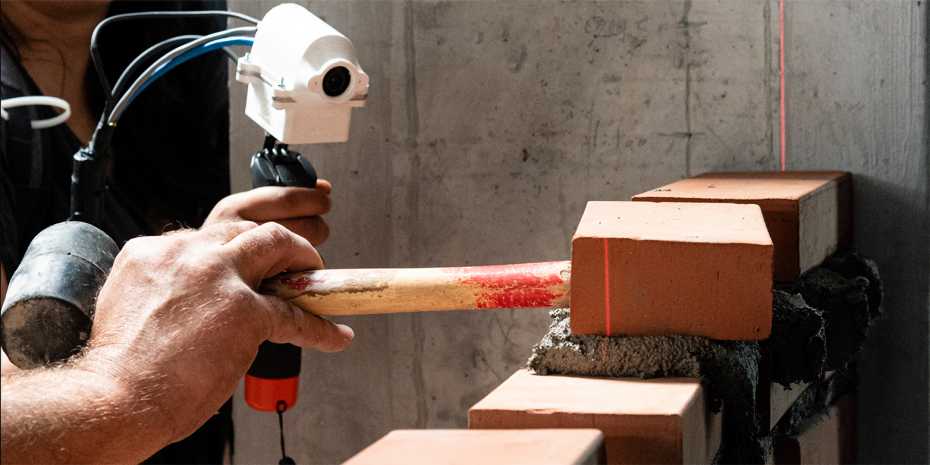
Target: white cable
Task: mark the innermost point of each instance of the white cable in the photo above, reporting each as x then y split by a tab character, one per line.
42	100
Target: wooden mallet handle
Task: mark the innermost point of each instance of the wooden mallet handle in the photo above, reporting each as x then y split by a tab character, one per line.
403	290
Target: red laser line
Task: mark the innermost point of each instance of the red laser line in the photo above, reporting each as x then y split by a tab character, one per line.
781	82
606	289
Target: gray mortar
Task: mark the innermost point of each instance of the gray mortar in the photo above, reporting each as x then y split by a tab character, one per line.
803	336
645	357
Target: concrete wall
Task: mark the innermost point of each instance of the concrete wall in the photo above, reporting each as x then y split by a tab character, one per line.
491	123
857	94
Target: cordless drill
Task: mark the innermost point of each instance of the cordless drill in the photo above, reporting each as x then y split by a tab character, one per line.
272	381
303	82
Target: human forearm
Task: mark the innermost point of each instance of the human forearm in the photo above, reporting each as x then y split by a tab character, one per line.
176	326
74	414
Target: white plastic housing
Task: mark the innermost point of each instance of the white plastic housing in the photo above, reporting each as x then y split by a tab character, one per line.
284	70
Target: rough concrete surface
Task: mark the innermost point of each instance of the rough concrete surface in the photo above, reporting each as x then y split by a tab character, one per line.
491	123
856	88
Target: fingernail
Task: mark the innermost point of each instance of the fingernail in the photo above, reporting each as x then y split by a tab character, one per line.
348	331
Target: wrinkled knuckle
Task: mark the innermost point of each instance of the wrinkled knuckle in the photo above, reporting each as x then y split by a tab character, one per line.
170	246
245	225
277	233
238	227
137	249
200	265
226	209
269	322
242	298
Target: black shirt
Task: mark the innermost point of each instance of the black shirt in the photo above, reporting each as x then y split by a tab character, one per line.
170	158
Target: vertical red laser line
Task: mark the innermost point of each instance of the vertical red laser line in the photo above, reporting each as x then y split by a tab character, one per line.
606	289
781	82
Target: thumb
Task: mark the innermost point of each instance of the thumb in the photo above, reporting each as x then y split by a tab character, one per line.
291	325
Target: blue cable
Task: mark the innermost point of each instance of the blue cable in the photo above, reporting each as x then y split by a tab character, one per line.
191	54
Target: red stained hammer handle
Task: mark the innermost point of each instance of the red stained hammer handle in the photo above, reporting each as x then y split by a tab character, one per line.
404	290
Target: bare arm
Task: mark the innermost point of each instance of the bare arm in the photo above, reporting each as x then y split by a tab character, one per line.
73	414
178	323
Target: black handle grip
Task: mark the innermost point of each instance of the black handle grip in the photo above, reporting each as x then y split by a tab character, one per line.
276	361
275	165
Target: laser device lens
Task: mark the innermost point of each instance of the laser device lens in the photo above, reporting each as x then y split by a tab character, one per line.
336	81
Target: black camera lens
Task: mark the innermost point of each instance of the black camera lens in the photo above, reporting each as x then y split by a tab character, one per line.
336	81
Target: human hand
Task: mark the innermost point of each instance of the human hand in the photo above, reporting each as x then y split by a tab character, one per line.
297	208
178	321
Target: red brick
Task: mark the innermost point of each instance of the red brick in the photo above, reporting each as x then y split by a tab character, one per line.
644	421
808	213
485	447
644	268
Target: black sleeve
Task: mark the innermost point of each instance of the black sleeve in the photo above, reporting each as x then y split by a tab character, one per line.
9	240
171	153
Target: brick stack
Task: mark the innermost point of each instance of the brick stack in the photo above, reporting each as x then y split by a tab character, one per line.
695	257
809	217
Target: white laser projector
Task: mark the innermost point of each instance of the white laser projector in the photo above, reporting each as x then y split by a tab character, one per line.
303	78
